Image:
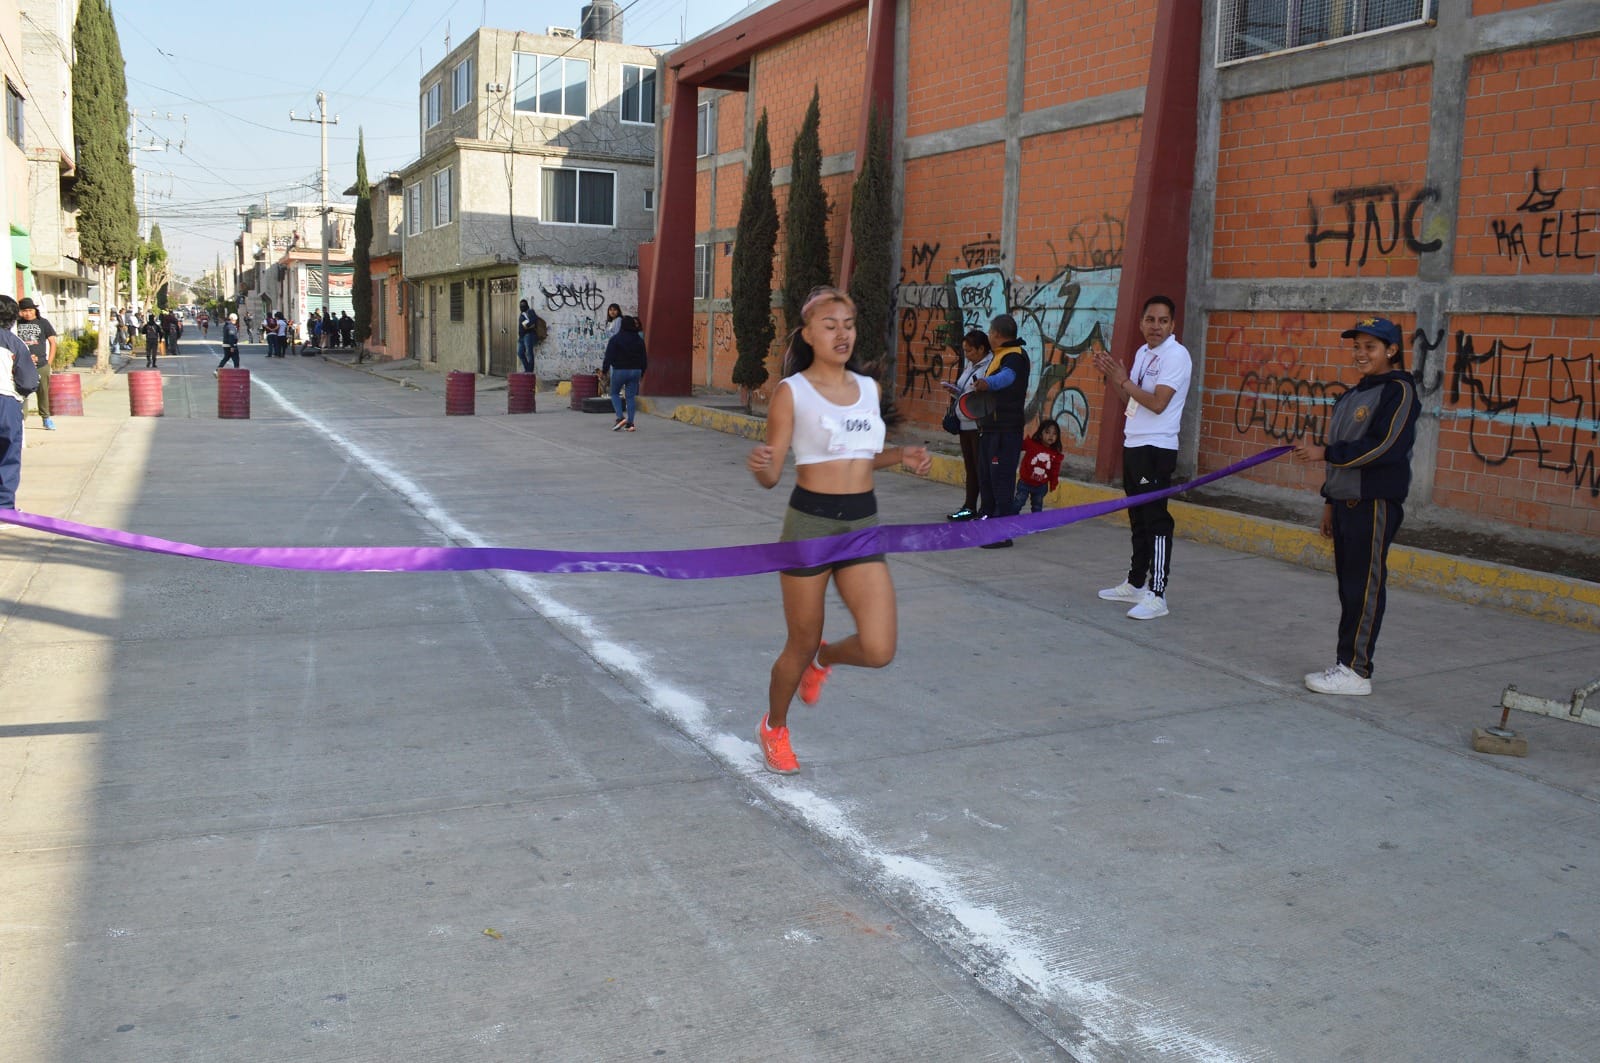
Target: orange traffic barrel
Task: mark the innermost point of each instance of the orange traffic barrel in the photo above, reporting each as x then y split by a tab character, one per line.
144	393
584	386
460	394
520	389
233	394
66	395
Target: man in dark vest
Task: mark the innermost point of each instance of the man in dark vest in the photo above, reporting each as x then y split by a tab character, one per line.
1005	378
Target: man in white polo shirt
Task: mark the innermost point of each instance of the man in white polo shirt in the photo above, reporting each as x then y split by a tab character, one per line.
1155	390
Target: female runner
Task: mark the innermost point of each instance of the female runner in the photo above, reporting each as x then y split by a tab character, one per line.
828	411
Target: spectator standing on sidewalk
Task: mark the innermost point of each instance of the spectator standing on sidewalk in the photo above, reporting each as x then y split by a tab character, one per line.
1005	378
527	336
1371	432
15	376
36	331
153	336
626	361
1155	390
347	330
975	345
1040	470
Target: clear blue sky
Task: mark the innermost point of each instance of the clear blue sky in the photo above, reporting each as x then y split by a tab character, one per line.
237	76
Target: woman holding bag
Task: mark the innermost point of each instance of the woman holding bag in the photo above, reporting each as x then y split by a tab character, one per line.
975	346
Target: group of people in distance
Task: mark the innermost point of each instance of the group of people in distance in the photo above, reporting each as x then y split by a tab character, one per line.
826	411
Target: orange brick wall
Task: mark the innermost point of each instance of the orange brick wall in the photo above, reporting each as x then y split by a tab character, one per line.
833	58
956	63
1519	434
1061	69
1271	379
730	195
1532	112
1356	149
730	121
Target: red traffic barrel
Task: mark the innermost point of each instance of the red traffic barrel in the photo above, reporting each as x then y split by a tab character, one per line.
520	389
144	393
460	393
66	394
584	386
233	394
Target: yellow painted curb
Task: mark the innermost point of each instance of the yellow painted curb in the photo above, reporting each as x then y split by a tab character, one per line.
1518	590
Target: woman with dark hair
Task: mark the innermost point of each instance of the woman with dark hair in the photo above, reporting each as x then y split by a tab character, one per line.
827	410
613	320
626	361
975	346
1370	435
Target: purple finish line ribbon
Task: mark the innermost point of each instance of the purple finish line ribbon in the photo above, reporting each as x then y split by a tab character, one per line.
710	563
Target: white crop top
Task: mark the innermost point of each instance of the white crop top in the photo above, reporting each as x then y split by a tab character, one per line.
826	432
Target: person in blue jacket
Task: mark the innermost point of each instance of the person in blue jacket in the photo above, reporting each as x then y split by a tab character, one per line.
1370	435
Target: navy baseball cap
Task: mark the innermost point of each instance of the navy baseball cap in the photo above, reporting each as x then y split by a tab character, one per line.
1381	327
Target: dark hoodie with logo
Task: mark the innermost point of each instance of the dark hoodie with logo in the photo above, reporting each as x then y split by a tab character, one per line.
1370	435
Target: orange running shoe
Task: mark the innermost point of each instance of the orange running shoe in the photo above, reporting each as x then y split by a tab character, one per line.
811	680
775	749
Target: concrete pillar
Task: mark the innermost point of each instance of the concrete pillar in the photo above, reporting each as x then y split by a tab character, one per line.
668	303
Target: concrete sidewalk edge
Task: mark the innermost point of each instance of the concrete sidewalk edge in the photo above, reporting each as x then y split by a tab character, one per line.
1539	595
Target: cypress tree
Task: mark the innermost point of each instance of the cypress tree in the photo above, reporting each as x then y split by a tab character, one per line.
361	257
753	246
806	259
872	231
108	224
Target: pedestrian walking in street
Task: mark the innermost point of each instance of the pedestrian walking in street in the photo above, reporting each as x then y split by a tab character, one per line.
975	346
1155	390
173	328
18	376
1005	379
203	319
154	336
36	331
828	412
625	361
1370	434
281	334
230	343
1039	472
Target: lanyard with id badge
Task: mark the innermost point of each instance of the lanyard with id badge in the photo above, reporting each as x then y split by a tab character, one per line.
1150	368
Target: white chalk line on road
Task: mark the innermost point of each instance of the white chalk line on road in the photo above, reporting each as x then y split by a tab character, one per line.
985	939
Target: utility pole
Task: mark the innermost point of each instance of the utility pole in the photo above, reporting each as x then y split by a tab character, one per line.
322	120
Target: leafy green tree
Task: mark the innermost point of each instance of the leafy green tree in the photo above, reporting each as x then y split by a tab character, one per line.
361	256
872	235
753	246
108	224
805	262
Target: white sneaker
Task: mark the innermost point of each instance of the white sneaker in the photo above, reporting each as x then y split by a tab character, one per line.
1149	607
1122	592
1340	679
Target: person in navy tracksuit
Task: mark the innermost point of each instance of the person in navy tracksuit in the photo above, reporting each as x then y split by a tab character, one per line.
1370	434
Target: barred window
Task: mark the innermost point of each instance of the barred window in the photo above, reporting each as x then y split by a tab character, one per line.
1248	28
458	301
702	271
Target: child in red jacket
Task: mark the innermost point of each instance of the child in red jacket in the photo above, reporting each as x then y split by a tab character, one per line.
1040	468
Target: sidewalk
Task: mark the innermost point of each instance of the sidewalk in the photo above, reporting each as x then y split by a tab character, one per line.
257	815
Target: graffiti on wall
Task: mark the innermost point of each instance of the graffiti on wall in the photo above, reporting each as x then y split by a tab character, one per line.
1369	220
573	303
1542	228
1285	408
1519	403
943	295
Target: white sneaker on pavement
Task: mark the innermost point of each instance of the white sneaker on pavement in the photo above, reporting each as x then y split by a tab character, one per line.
1122	592
1149	607
1340	679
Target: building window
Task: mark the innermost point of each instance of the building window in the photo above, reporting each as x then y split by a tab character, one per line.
639	94
458	301
14	112
461	85
552	85
580	197
430	106
649	199
1248	28
702	131
702	271
441	198
414	209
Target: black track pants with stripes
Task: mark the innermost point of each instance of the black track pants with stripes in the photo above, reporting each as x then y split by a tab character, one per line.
1146	469
1362	532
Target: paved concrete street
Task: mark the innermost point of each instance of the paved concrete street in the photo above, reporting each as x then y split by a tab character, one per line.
253	815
